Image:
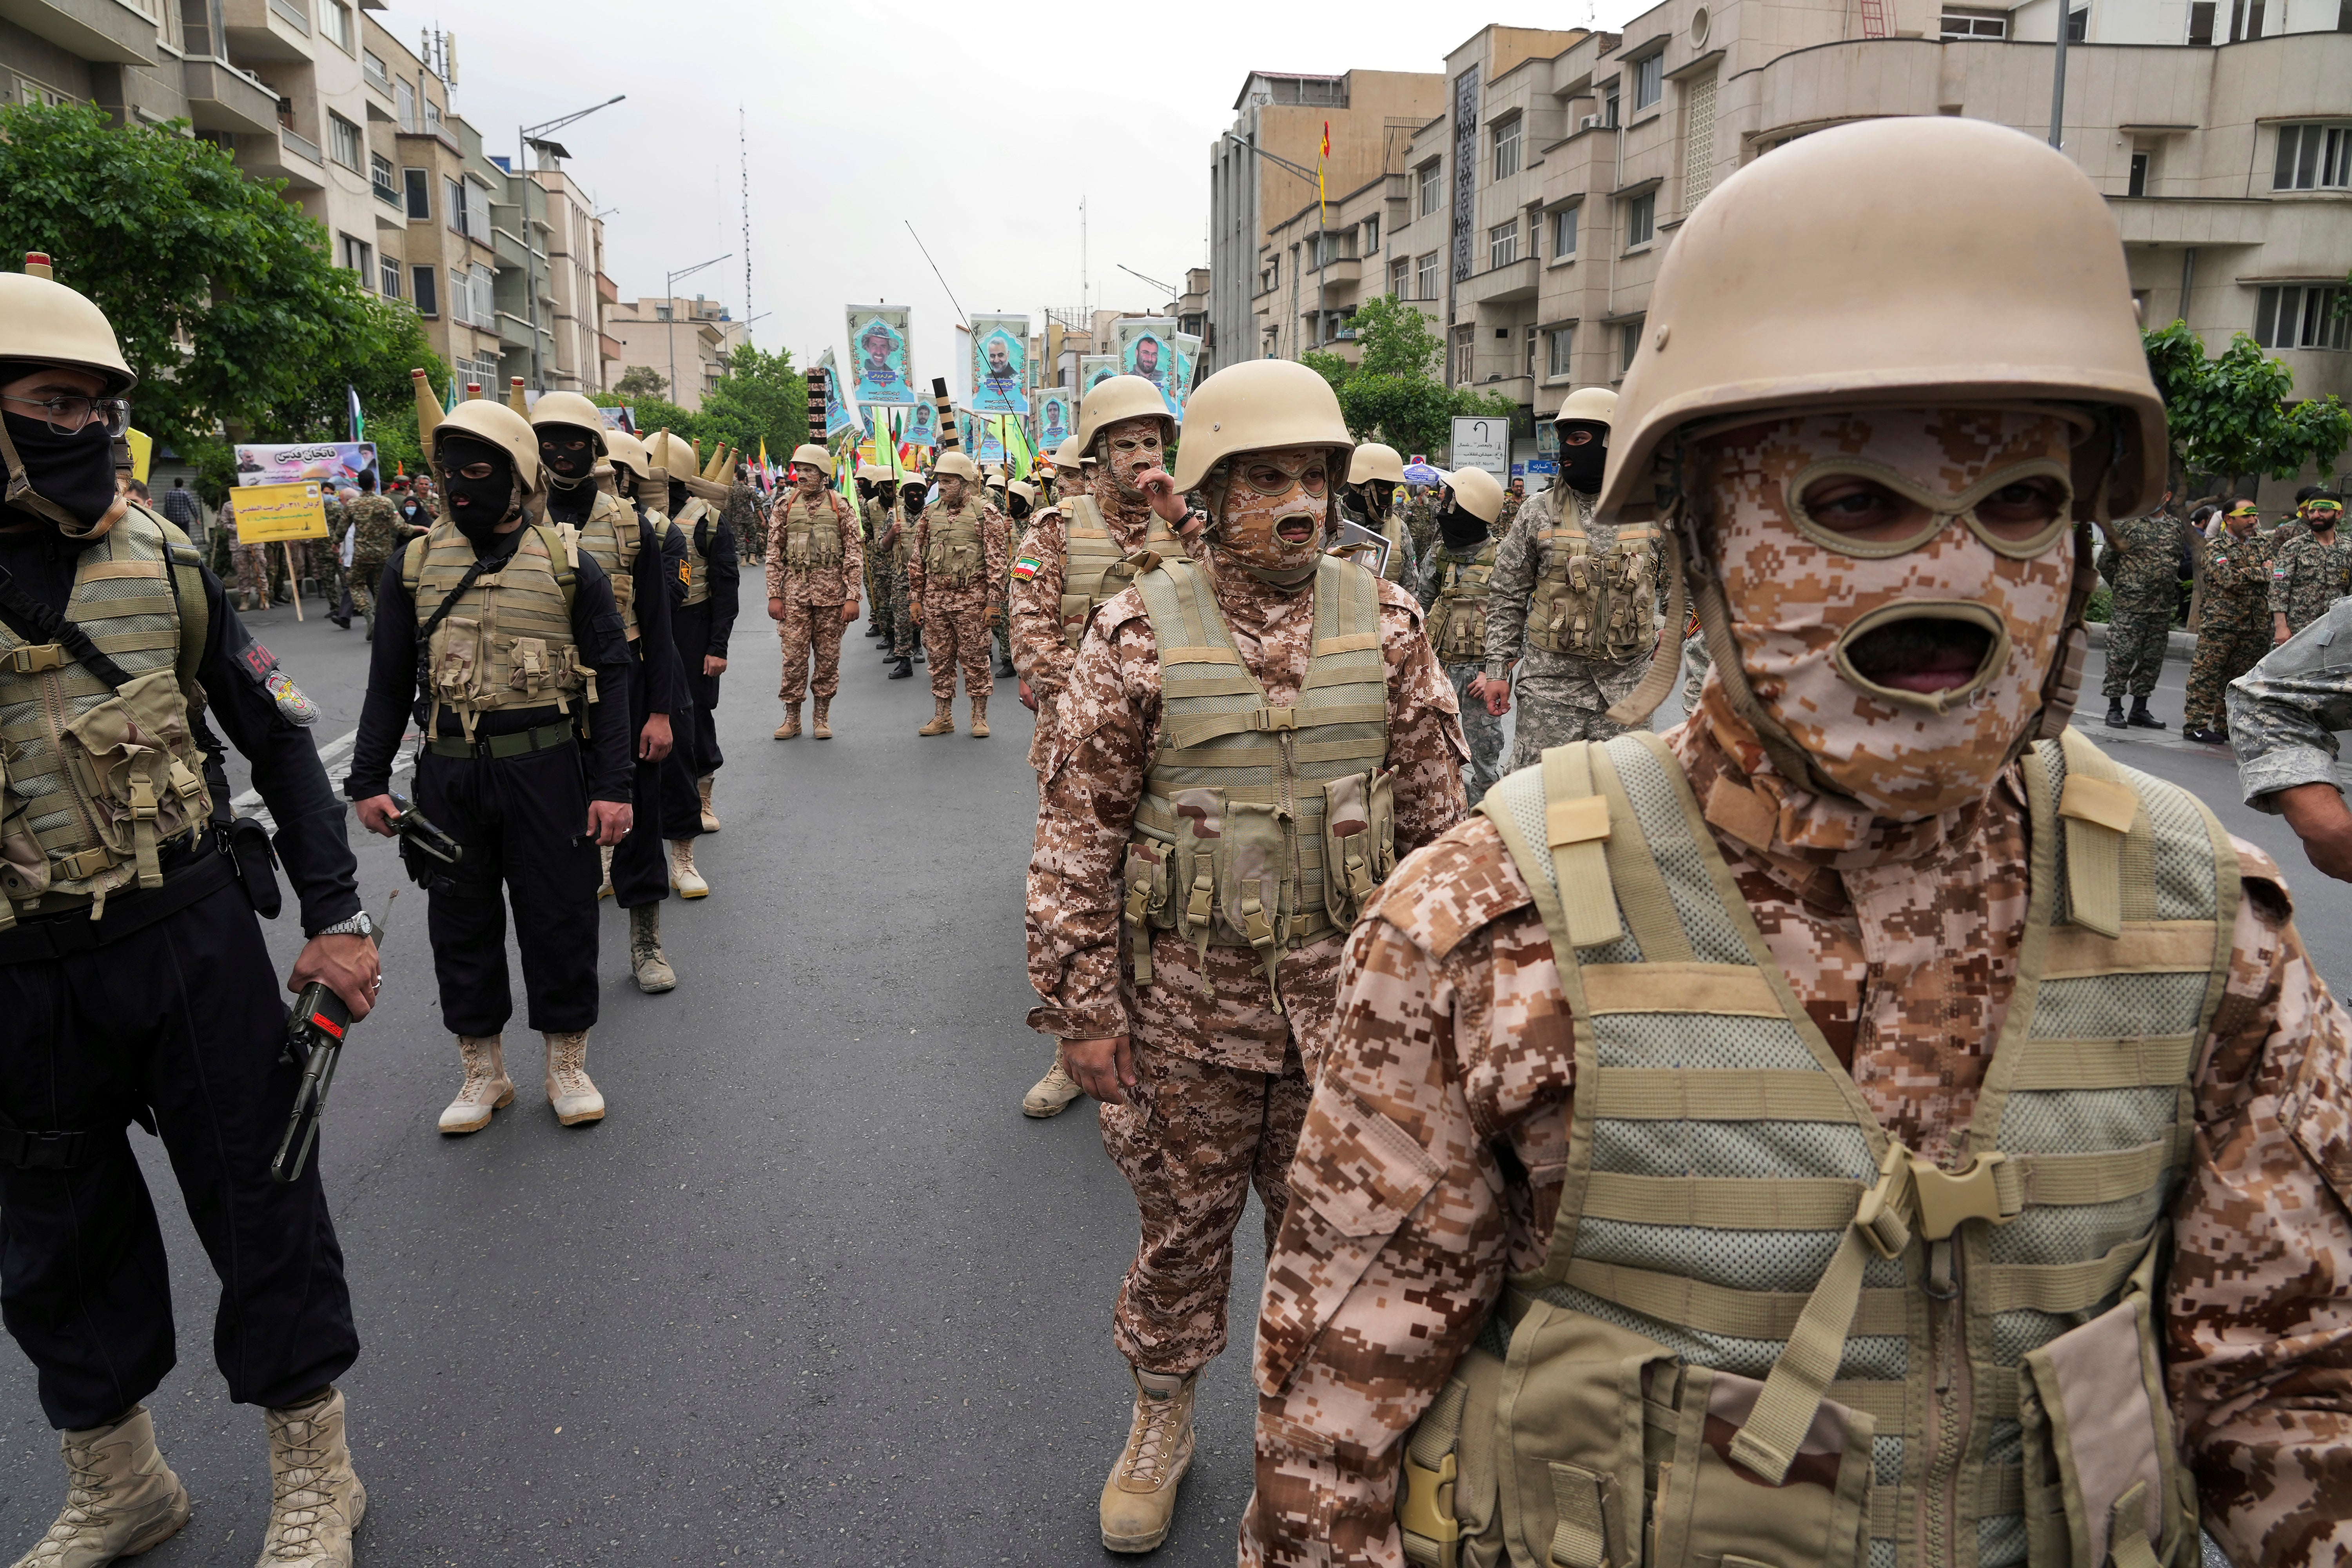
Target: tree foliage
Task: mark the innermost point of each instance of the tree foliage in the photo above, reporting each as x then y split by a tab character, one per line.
640	381
223	296
2232	414
762	396
1394	390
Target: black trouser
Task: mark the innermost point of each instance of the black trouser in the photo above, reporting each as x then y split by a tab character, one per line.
640	871
185	1017
524	823
694	751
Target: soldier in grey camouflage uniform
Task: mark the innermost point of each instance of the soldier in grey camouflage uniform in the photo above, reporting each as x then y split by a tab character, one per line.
2283	715
2311	570
2142	560
1592	590
749	518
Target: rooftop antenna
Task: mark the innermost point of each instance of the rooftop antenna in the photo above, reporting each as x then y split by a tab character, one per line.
743	152
1085	298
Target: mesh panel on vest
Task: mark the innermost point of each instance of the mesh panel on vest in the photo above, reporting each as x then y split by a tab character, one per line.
1742	1259
2080	1121
1879	1358
1658	805
2001	1542
2075	1230
1521	794
1732	1149
1699	1040
2184	879
2119	1007
1886	1460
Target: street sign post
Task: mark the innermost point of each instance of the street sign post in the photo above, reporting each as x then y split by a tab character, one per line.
1483	441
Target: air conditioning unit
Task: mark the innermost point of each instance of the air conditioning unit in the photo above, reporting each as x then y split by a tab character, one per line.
1588	122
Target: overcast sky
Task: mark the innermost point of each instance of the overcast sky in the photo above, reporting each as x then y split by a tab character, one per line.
968	120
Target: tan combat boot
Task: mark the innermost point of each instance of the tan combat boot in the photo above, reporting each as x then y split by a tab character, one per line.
487	1087
315	1500
702	788
818	726
943	719
647	964
1139	1501
604	852
121	1499
790	729
569	1088
979	718
683	879
1052	1094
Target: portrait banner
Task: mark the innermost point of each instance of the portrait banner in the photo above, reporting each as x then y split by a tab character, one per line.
327	462
837	415
1094	369
1000	365
1147	348
922	426
1057	418
1188	368
879	354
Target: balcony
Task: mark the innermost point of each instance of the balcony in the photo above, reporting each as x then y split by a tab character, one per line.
101	31
283	154
607	290
1521	389
1342	269
223	98
266	29
1503	285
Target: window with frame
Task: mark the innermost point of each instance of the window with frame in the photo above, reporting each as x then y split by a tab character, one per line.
1433	188
1609	106
1502	244
1530	338
1563	232
425	285
417	185
1506	148
403	104
2201	24
1372	237
2294	317
2313	158
1401	278
432	118
1640	219
339	25
2078	24
1561	350
1629	343
1466	346
1699	140
454	205
346	142
461	296
390	284
1960	24
486	298
2137	185
380	176
1425	278
360	257
1649	80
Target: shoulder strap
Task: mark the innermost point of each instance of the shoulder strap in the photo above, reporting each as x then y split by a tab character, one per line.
37	624
188	589
560	559
2107	837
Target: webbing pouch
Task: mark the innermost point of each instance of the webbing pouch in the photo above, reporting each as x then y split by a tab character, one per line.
1200	829
1253	877
456	670
2103	1481
121	757
1447	1486
529	657
1146	896
1569	1464
1358	841
24	865
1711	1509
1076	609
257	864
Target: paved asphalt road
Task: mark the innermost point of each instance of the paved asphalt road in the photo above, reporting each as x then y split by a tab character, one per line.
815	1291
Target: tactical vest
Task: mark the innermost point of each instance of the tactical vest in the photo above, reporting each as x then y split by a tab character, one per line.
697	565
812	539
1457	619
1601	607
94	782
954	556
1093	566
610	537
1909	1364
1260	827
507	643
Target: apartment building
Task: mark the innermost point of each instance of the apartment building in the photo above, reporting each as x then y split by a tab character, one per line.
1263	170
578	289
1321	262
1539	205
685	342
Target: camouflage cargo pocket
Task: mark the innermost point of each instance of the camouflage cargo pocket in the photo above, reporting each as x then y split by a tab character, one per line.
2103	1477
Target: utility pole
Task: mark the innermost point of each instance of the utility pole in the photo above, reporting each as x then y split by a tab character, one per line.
743	146
523	183
2058	77
669	303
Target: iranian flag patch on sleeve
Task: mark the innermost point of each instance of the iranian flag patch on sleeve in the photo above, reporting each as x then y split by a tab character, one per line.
1026	567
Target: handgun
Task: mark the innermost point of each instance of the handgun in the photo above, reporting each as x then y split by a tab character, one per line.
319	1022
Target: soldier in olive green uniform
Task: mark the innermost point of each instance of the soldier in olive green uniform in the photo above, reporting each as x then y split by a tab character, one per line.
2234	625
376	533
2311	571
2142	560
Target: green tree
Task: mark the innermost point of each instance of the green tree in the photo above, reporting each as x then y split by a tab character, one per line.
640	381
2232	416
761	398
1394	390
223	296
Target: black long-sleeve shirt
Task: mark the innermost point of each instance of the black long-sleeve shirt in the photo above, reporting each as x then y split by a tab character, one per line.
660	576
715	537
311	841
393	702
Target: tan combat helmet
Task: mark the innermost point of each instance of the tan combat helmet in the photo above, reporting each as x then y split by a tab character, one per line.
43	321
1373	461
1588	406
1068	456
955	465
1254	406
627	452
1114	398
1025	489
671	454
571	408
815	457
1765	306
873	474
1477	492
498	425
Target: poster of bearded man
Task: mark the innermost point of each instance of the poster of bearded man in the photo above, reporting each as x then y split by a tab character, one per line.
878	336
1147	348
1094	369
1000	365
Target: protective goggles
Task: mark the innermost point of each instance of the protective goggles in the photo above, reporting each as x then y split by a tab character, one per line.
1871	511
71	415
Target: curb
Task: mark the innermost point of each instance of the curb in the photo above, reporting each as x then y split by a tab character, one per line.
2181	645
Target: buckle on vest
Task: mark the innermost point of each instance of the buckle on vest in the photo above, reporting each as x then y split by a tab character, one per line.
1273	719
1427	1506
1912	1194
37	658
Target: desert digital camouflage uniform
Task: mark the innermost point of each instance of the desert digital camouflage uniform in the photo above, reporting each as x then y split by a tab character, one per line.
812	594
1223	1073
252	561
955	615
1482	732
2233	623
1557	697
873	515
2143	563
1435	1155
750	518
376	537
2307	576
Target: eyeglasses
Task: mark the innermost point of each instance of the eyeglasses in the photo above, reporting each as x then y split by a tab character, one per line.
1868	509
70	416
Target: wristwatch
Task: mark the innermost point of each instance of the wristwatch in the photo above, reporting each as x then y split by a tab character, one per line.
358	925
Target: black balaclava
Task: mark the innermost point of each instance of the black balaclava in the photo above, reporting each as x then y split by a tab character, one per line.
571	475
1019	509
1461	529
1373	498
75	473
676	496
476	506
1582	467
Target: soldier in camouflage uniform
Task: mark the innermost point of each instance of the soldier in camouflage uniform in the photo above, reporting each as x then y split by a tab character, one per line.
1020	506
749	518
1454	586
252	561
814	576
2311	571
1422	504
1574	599
1513	499
1540	1263
2283	717
2233	622
892	548
2142	561
376	537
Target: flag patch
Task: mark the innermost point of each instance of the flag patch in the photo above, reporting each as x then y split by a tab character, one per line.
1026	568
